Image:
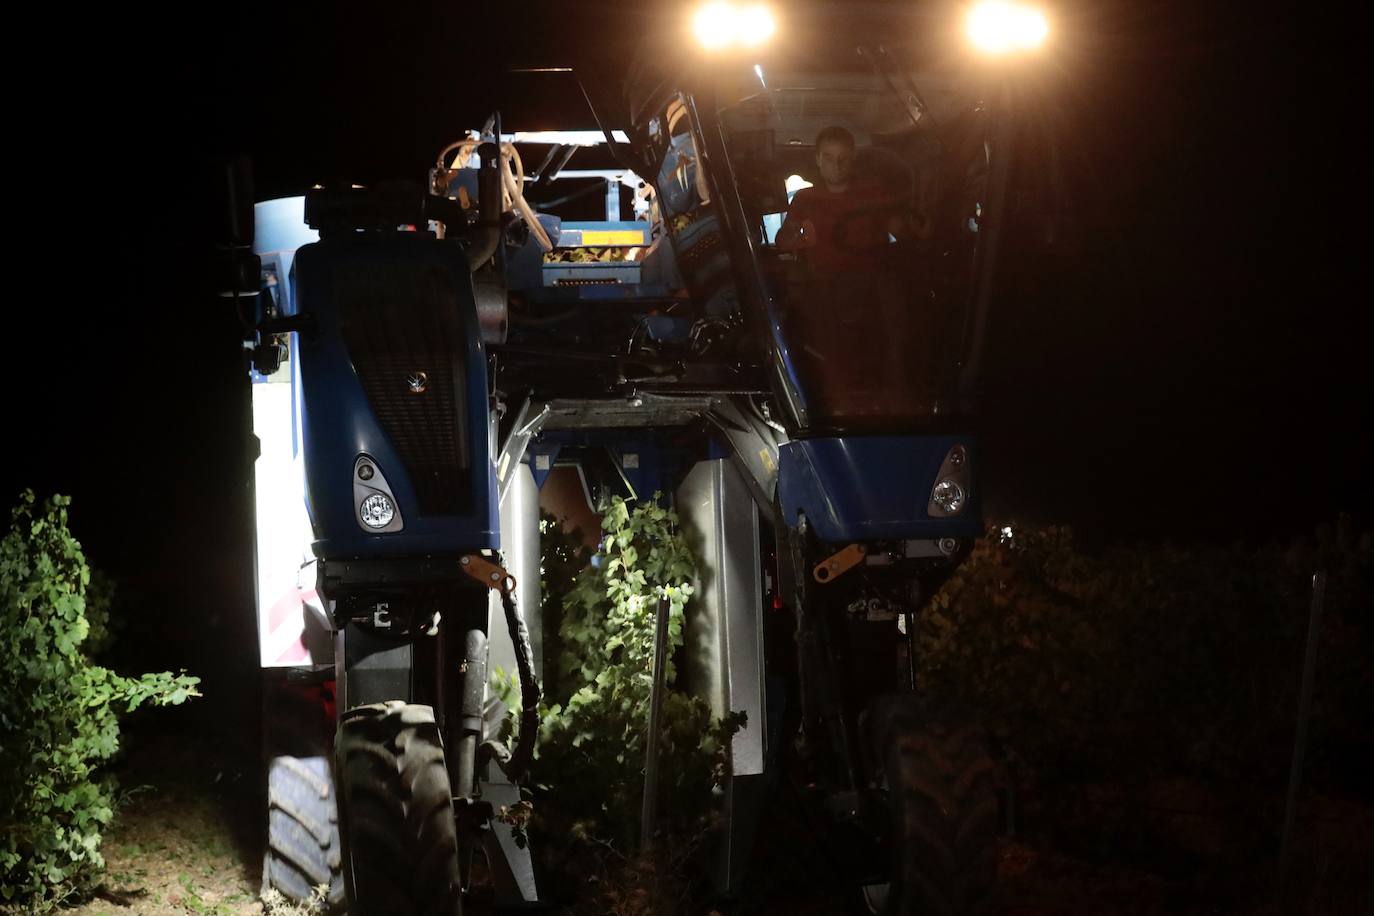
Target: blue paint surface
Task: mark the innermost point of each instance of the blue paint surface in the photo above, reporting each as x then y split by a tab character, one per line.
867	488
339	424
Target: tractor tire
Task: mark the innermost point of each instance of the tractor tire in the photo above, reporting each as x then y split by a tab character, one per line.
302	850
943	797
400	838
302	832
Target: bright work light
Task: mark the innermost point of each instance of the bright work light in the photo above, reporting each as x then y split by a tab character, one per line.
1001	27
947	497
726	25
377	511
951	490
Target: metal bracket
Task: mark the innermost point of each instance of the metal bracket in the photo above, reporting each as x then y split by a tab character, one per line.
839	563
525	428
488	573
754	446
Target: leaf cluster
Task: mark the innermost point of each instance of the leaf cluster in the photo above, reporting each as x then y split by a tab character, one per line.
59	713
1153	660
593	737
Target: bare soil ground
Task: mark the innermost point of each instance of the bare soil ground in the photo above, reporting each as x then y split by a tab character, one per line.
186	841
185	837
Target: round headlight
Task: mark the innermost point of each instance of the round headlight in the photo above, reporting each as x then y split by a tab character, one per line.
377	511
948	496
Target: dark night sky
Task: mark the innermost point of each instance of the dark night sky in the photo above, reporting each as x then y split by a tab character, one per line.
1199	370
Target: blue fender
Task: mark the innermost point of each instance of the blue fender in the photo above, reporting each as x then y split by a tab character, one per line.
869	488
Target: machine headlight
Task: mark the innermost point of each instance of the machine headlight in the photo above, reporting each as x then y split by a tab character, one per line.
377	511
1001	27
373	497
953	484
947	496
727	25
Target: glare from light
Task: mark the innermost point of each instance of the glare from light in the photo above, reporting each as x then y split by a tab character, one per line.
723	25
795	183
754	25
1001	27
758	71
714	25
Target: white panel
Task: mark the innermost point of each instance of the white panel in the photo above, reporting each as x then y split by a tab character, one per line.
283	535
724	627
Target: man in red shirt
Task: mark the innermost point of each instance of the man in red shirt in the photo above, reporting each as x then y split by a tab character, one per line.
844	223
854	306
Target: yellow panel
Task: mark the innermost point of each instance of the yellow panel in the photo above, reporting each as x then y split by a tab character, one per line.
612	237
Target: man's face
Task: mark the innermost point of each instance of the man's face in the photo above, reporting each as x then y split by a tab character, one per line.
836	162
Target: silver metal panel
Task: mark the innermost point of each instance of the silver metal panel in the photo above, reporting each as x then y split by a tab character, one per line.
528	421
520	555
724	626
512	868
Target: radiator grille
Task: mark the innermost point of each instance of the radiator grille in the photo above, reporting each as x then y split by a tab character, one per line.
400	319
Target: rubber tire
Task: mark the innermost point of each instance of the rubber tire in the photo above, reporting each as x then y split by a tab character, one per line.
943	794
400	838
302	848
302	831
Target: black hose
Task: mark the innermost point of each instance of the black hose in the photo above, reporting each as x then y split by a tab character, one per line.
550	169
529	690
488	235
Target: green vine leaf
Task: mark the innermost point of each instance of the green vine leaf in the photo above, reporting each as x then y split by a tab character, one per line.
592	742
60	719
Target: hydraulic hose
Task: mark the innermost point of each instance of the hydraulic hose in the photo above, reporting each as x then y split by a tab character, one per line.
529	689
489	210
512	172
515	193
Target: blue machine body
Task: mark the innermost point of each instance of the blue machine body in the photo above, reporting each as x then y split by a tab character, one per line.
869	488
382	310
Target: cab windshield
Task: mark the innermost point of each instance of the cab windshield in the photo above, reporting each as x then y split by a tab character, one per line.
864	190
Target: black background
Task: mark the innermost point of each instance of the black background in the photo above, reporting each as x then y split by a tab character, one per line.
1197	371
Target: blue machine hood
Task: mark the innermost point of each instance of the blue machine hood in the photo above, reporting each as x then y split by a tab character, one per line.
868	488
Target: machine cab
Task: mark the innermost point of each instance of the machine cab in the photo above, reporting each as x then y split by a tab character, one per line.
839	202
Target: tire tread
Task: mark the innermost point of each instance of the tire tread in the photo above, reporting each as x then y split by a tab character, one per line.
942	787
398	812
